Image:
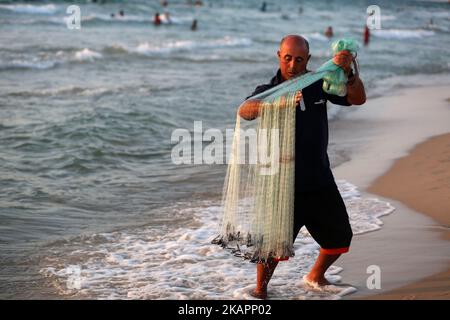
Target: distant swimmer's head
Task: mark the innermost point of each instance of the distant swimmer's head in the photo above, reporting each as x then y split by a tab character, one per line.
293	56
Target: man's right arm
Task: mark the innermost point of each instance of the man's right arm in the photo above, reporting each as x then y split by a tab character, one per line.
249	110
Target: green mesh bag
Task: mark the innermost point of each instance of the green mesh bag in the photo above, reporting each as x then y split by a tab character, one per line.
335	82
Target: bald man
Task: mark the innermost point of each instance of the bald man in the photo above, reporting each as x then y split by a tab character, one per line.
318	204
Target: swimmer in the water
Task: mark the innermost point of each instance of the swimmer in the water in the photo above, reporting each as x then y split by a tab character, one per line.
157	19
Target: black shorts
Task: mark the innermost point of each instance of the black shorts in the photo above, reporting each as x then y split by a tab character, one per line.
324	214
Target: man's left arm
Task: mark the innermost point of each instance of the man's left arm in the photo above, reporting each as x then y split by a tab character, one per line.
355	90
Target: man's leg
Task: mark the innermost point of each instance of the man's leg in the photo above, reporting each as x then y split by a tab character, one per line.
264	272
323	262
330	227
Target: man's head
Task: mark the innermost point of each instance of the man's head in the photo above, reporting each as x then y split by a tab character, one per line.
293	56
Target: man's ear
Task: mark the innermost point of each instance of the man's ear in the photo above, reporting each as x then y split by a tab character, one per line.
307	59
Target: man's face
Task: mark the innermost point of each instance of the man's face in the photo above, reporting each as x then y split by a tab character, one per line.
293	57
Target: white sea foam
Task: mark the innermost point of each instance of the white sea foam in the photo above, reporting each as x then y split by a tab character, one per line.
67	90
87	55
116	18
385	17
402	33
147	48
30	9
316	36
180	263
48	60
27	64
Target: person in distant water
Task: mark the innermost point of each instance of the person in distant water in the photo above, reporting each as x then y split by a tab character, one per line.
263	7
194	25
198	3
329	32
157	19
164	3
366	35
113	15
167	18
121	13
318	203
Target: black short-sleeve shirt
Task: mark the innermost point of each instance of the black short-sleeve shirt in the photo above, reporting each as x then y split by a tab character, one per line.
312	166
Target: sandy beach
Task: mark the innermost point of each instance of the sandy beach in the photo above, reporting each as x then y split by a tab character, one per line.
401	154
421	180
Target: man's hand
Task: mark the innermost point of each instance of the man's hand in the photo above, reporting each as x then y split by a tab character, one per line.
355	88
343	59
298	97
356	93
251	108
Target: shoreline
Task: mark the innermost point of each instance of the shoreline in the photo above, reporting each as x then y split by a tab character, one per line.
425	180
383	139
421	180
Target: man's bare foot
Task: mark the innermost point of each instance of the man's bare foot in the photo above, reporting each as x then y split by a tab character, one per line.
316	281
259	294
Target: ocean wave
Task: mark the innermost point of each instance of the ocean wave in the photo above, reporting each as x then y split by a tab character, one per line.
116	18
26	20
147	48
432	14
87	55
207	58
24	64
435	27
385	17
150	49
402	33
134	18
50	58
61	91
96	18
116	49
92	91
169	262
394	83
316	36
29	8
